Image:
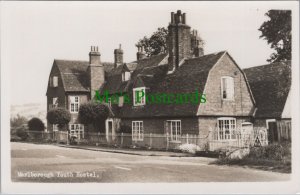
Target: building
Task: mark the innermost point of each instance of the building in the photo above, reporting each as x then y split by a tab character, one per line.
271	88
230	106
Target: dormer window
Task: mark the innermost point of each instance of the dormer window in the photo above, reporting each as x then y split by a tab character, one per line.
227	88
126	76
54	81
139	96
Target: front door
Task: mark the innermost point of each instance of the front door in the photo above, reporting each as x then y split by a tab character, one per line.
247	133
109	130
272	132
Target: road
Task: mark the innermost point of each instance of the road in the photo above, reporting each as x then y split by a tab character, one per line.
49	163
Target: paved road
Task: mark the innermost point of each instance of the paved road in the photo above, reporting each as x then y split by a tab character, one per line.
48	163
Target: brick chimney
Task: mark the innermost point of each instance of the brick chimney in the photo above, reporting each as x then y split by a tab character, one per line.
179	40
140	54
118	56
197	47
95	71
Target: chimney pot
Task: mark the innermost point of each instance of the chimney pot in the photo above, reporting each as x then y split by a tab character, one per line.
118	53
94	56
183	18
172	18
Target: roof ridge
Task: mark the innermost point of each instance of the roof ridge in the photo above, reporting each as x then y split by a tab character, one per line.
271	64
215	53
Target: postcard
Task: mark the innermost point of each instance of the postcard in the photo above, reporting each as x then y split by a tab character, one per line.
150	97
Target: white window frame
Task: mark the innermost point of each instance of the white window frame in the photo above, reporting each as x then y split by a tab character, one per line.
177	129
126	76
74	104
55	81
121	101
55	127
229	89
228	128
54	102
137	128
80	130
109	101
143	99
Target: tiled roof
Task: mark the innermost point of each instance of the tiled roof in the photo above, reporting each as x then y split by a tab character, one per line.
114	83
270	85
191	75
151	61
74	74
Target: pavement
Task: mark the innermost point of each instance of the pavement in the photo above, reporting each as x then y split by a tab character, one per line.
129	151
54	164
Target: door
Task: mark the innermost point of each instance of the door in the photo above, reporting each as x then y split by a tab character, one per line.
247	133
272	132
109	130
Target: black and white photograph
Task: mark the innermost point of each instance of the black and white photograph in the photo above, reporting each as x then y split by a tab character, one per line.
150	97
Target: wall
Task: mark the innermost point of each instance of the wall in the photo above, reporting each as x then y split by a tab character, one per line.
242	104
55	92
208	125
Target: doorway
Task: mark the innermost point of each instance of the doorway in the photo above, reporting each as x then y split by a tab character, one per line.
109	130
272	131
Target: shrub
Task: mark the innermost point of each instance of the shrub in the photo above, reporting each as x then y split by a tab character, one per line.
94	113
18	121
189	148
36	124
21	132
59	116
270	152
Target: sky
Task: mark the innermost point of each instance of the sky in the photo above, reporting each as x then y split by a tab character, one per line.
33	34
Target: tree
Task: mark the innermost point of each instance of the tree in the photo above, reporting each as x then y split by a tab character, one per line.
277	32
156	44
36	124
17	121
59	116
95	114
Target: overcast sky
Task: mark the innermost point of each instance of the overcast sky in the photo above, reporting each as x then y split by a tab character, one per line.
36	33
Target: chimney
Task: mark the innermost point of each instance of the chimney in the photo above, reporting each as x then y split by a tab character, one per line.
95	71
179	40
197	48
118	56
94	55
140	54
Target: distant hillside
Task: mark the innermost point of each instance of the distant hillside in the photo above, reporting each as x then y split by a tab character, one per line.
29	111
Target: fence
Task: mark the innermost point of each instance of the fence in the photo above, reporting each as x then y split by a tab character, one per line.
55	136
155	141
257	137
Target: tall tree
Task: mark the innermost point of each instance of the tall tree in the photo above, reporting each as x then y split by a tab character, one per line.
277	32
59	116
156	44
95	114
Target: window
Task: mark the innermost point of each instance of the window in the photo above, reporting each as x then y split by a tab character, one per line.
173	127
226	128
109	101
74	105
139	96
54	102
77	130
121	101
137	131
55	81
227	88
55	127
126	76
